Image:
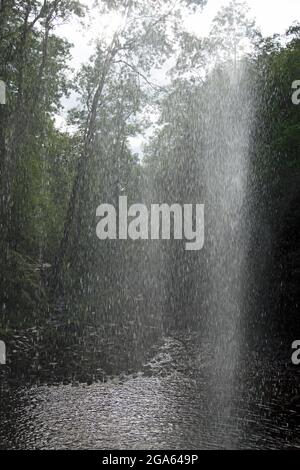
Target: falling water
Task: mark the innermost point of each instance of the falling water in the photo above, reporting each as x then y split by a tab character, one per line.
227	137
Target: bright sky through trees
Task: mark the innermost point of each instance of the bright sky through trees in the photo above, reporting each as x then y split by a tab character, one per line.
272	16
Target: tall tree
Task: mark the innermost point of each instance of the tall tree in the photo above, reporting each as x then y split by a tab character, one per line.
33	65
144	39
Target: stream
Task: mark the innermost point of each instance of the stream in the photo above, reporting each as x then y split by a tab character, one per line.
172	402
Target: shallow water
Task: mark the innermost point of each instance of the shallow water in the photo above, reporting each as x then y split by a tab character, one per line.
166	409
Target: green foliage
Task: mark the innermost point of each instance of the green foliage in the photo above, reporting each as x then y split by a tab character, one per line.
278	146
36	160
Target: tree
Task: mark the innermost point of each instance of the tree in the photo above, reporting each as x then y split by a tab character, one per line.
33	65
233	32
144	39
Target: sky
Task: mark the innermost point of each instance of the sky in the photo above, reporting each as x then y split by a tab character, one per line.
272	16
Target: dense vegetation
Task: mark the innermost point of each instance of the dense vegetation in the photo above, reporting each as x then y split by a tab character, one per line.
52	181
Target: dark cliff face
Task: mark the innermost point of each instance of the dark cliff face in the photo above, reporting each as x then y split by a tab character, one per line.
276	281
